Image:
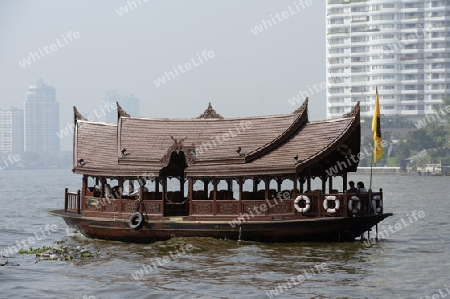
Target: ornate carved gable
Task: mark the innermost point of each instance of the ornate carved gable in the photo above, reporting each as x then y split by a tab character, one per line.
210	113
177	147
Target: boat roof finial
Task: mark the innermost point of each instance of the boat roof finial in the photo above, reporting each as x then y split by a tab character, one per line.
302	108
210	113
353	112
121	112
77	114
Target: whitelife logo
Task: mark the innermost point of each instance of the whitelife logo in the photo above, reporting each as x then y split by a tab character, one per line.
69	37
266	24
124	9
187	66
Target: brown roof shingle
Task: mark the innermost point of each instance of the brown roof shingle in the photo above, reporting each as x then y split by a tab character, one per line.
268	144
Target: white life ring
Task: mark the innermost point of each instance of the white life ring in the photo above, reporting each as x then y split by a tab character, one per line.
336	202
354	209
377	209
307	203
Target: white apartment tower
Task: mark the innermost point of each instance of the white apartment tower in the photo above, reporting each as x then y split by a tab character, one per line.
41	119
11	130
400	46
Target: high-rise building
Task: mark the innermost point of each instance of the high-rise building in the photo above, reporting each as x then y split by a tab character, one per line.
400	46
11	130
41	119
127	101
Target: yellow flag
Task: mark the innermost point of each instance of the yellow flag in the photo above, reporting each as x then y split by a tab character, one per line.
376	128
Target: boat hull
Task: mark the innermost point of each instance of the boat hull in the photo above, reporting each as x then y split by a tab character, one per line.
314	229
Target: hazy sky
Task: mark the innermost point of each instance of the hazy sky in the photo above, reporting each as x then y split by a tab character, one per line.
249	74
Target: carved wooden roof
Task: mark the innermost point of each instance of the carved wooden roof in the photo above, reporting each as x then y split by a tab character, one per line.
215	146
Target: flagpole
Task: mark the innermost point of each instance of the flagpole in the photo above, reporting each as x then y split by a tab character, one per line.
370	196
371	166
377	146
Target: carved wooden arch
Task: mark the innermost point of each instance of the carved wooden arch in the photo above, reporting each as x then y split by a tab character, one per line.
178	146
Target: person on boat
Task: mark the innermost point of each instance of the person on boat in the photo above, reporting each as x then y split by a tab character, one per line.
361	188
108	191
116	190
352	188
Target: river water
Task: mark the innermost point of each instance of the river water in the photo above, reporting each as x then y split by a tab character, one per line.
411	259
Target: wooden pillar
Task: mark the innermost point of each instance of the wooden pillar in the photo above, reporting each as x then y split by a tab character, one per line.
230	185
295	187
141	198
120	181
344	181
205	188
78	202
330	184
301	180
84	186
279	182
241	189
164	185
182	185
266	193
295	191
215	196
324	183
255	185
266	188
308	180
156	186
66	198
191	191
163	193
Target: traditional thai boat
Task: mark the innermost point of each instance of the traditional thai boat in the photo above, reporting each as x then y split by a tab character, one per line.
244	178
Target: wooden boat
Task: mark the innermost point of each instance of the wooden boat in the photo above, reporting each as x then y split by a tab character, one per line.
235	178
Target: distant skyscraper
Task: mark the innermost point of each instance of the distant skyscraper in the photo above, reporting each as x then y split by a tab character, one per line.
41	119
11	130
400	46
127	101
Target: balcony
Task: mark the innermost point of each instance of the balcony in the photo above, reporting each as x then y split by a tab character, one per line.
411	9
374	72
412	91
410	112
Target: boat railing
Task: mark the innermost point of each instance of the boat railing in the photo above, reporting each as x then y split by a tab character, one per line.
365	207
277	207
92	206
248	208
72	201
223	208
